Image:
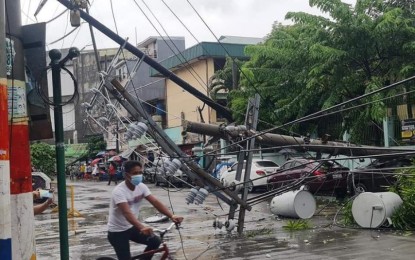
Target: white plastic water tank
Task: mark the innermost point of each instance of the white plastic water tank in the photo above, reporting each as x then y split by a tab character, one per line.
295	204
371	210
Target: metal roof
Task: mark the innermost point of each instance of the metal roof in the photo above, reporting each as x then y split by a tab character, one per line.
240	40
203	50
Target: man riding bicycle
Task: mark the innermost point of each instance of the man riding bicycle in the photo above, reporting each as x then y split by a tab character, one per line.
123	224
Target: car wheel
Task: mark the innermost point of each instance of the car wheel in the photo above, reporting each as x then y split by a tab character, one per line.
360	188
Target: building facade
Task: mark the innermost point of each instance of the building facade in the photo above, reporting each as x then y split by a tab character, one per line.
196	65
77	127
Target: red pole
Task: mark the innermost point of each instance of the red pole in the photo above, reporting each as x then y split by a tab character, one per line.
20	167
5	215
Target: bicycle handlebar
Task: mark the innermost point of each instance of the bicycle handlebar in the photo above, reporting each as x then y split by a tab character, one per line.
164	231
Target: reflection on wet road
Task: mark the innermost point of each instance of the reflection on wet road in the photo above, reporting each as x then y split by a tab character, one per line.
264	237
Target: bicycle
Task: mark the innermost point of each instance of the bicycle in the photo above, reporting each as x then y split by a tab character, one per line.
163	247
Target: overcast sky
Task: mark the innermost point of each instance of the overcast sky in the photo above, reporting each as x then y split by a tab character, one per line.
250	18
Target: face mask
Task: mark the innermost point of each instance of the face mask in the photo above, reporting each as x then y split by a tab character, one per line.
136	179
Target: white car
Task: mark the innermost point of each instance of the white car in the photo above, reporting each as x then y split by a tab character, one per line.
260	169
40	181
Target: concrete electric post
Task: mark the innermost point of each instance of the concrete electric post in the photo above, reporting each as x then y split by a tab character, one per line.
5	215
22	224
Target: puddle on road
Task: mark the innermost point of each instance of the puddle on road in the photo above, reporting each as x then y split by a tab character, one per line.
200	240
262	239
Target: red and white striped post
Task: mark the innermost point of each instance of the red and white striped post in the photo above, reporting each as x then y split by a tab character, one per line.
5	215
21	199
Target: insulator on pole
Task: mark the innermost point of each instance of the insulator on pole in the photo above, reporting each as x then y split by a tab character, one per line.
230	225
173	166
191	195
75	17
201	196
86	105
136	130
217	224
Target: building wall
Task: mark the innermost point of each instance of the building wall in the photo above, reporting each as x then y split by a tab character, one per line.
149	88
85	71
68	112
182	105
164	49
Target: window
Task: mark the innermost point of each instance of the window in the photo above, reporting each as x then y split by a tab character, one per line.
235	166
287	165
265	164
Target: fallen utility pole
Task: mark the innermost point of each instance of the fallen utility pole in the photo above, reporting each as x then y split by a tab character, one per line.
334	148
168	145
154	64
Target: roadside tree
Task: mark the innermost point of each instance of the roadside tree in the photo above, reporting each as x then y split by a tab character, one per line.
95	145
320	61
43	157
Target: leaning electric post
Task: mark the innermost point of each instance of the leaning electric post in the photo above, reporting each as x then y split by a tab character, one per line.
251	122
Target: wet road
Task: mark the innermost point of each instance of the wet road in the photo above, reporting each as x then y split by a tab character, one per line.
264	237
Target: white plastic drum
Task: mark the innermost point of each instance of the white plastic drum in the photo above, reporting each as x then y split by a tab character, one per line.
371	210
294	204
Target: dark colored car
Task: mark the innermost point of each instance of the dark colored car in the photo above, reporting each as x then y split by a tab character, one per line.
378	175
325	176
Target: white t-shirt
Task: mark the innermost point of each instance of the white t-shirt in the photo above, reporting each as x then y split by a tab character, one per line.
121	193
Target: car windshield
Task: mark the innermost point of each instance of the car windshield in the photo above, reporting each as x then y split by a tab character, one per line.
326	164
257	164
235	166
266	164
389	163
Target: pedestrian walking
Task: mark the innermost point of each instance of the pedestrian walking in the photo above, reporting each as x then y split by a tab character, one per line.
82	170
112	173
89	172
